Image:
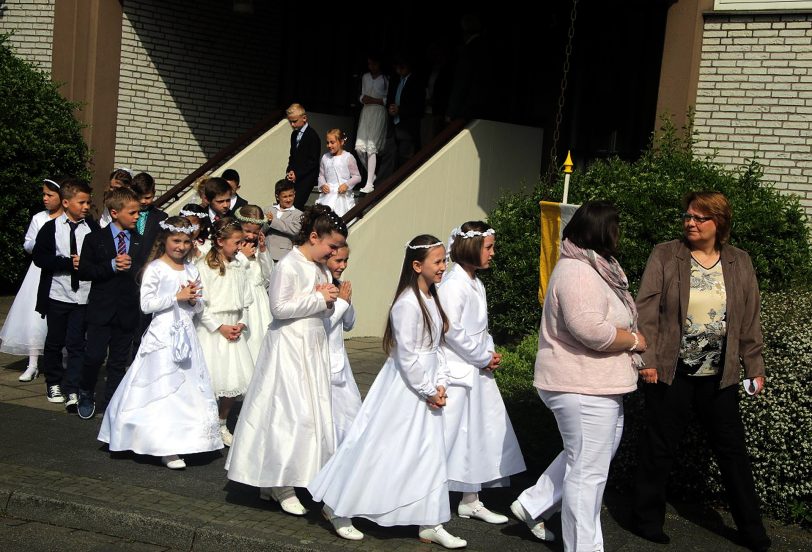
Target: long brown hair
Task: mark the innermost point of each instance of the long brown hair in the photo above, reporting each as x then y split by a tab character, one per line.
223	229
159	247
408	280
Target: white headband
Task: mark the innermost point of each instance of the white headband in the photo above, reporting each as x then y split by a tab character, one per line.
427	246
125	169
49	181
249	220
185	213
469	234
175	229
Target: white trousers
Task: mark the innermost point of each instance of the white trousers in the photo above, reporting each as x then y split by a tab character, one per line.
591	427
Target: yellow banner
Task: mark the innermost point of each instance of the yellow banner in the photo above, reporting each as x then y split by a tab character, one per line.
554	217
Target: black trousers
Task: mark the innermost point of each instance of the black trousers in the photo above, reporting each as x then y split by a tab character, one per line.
66	329
668	409
113	341
303	189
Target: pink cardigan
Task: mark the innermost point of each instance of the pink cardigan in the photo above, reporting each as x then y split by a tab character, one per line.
580	320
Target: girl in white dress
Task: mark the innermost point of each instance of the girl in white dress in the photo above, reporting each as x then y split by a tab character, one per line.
198	216
285	433
482	447
338	174
346	397
391	466
24	330
256	259
163	407
372	123
223	327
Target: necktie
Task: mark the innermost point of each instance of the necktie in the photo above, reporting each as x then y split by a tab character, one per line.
141	223
401	84
299	138
122	245
74	276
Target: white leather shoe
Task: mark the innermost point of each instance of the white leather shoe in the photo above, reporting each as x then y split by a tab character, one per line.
439	535
536	527
226	435
286	497
342	525
367	189
30	374
173	462
477	510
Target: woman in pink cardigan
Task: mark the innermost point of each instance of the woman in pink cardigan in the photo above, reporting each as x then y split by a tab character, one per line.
587	360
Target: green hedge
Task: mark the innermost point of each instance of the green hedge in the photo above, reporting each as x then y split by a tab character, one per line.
770	226
39	138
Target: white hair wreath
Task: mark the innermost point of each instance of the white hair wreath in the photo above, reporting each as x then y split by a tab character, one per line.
175	229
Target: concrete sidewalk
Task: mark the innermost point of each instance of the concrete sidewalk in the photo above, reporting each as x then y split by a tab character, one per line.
55	474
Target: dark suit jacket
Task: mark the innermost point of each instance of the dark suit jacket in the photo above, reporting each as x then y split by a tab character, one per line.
237	204
412	104
111	293
45	257
150	232
304	161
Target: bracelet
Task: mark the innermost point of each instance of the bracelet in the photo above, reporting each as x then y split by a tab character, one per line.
636	342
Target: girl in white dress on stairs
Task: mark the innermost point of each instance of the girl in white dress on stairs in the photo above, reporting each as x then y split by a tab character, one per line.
482	448
391	466
338	174
162	407
285	431
24	330
373	119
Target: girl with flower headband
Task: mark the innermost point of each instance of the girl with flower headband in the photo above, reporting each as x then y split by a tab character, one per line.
338	174
24	330
256	259
391	466
285	431
163	407
482	447
199	217
223	325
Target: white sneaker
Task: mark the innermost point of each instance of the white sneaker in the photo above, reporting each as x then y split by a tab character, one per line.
287	499
536	527
477	510
439	535
173	462
30	374
342	525
226	435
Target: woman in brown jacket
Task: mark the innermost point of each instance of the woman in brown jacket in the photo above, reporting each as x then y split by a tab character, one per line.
699	310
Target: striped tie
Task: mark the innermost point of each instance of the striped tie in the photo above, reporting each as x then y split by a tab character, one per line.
122	245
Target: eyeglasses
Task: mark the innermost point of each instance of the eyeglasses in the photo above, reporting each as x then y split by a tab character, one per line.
696	218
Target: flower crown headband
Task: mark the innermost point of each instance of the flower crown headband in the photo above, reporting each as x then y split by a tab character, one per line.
185	213
179	229
249	220
466	235
427	246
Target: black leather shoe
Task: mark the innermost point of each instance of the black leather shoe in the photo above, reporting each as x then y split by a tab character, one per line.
652	536
86	407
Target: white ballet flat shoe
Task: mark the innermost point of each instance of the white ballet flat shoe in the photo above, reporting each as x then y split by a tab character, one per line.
536	527
477	510
173	462
440	536
369	188
30	374
286	497
226	435
342	525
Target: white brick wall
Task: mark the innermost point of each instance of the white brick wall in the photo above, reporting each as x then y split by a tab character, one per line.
32	22
754	97
194	76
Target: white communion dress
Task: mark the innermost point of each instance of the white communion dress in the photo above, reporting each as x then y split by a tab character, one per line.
162	407
24	330
258	275
227	298
482	446
391	466
372	122
345	394
285	434
335	170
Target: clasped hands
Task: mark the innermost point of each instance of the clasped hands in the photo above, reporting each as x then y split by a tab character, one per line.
231	332
190	292
330	293
438	400
342	188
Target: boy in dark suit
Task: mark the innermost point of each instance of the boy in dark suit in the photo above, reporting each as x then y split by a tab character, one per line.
305	153
233	178
147	225
406	101
218	195
111	259
61	297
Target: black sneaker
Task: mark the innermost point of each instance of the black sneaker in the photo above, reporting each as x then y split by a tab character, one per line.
72	403
86	407
54	394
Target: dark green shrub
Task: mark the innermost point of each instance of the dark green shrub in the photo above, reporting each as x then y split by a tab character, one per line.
39	138
770	226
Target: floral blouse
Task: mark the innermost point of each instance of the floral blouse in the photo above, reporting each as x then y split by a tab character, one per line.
705	327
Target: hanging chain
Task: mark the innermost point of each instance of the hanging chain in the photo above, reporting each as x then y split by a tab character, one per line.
552	172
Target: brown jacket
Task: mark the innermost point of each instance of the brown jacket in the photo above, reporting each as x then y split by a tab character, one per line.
662	303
